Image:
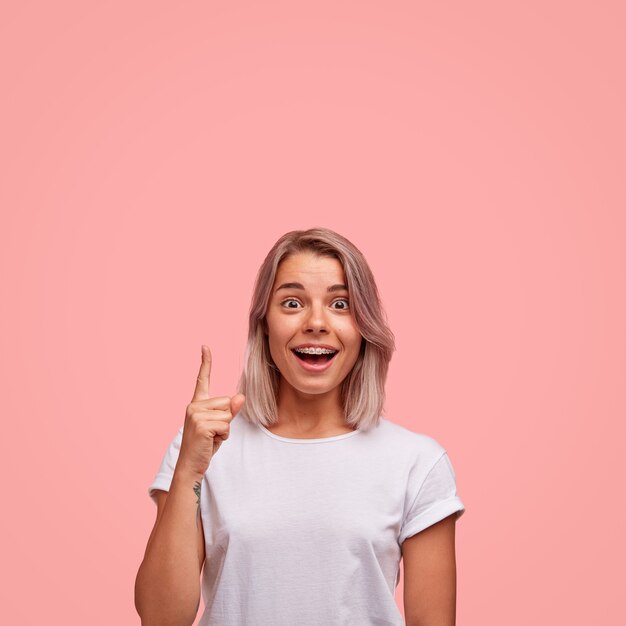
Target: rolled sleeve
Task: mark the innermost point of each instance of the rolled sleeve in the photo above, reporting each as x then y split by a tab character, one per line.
436	499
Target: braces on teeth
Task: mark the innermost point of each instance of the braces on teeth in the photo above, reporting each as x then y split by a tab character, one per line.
315	351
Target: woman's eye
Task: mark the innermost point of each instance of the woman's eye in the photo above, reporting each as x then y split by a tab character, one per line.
345	303
288	301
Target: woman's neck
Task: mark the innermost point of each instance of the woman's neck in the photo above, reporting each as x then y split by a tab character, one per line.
309	415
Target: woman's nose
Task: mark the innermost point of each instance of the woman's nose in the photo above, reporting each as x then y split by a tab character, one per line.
316	318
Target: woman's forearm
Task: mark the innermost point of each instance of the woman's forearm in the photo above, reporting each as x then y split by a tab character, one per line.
167	588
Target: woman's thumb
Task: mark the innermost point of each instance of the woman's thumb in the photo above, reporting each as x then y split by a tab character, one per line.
236	402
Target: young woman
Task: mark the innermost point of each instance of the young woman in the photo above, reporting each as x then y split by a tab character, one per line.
303	516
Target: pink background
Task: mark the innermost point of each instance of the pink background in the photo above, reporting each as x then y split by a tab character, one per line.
152	152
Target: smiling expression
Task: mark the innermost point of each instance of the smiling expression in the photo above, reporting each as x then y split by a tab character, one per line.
310	304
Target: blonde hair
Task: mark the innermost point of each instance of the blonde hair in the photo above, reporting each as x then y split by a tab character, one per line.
363	389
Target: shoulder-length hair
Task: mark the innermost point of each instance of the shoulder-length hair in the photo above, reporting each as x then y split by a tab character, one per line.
363	389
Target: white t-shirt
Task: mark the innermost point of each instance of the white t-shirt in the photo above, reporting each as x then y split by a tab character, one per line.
308	531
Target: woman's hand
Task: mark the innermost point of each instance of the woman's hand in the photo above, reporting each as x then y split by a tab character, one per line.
207	422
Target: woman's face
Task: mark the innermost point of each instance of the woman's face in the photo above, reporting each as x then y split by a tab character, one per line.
310	305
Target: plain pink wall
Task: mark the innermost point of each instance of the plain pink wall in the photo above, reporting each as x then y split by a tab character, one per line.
152	152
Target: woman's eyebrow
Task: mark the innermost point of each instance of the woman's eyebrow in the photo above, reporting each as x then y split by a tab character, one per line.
301	286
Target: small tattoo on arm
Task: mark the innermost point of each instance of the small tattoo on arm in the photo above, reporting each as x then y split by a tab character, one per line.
196	489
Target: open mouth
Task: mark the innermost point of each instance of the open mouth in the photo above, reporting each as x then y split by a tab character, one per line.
314	359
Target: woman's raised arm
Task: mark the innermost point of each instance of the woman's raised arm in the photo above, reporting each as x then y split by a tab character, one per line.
167	587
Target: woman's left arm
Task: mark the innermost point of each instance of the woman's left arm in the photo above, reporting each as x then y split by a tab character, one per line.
430	575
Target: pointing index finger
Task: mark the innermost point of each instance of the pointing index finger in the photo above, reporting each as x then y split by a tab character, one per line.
204	376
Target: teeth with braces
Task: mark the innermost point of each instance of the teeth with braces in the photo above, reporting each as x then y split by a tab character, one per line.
315	351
